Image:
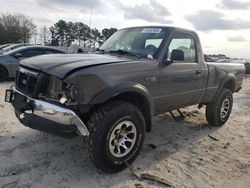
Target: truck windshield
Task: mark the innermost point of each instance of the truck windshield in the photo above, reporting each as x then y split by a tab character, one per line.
140	42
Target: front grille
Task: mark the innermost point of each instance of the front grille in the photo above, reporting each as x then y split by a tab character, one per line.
29	82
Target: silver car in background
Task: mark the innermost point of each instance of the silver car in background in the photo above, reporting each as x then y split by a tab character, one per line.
9	61
4	45
12	47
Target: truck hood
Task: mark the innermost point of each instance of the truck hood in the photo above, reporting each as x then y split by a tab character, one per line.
61	65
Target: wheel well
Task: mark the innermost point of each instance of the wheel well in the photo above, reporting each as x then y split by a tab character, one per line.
230	84
136	99
140	102
1	66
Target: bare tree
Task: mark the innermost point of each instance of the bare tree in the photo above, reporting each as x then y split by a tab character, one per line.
35	35
44	35
16	28
10	26
26	27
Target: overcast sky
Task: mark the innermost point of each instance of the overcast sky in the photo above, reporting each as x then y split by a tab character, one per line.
223	25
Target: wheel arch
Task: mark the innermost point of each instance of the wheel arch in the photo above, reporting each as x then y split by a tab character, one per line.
2	66
136	94
228	82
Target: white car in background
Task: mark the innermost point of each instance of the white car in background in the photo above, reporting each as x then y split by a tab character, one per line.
4	45
12	47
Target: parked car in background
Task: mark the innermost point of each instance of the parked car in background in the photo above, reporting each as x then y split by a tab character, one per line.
4	45
9	61
223	61
247	66
12	47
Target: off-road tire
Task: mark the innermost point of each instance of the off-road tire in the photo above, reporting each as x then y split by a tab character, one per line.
3	74
101	124
213	110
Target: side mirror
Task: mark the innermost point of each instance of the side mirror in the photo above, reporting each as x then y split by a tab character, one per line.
177	55
18	55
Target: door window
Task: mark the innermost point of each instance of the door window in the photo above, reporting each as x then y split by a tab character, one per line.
186	43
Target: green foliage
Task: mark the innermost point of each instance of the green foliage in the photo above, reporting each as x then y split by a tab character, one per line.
106	33
19	28
67	32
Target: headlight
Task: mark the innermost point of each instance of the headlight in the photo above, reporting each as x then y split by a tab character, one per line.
69	94
60	91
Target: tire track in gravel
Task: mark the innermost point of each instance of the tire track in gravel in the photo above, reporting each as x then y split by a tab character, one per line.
24	168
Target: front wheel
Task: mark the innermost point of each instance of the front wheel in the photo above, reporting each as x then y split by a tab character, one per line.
117	131
218	112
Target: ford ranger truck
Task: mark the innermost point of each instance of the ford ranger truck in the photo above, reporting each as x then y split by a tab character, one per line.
109	97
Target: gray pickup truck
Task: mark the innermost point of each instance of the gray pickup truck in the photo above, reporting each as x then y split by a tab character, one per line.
109	97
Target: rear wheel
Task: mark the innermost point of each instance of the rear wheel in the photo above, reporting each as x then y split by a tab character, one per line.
3	74
218	112
117	131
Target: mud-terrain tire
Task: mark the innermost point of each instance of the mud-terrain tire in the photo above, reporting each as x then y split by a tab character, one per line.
3	74
218	112
113	127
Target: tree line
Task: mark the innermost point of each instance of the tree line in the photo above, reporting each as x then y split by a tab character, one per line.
16	28
19	28
67	32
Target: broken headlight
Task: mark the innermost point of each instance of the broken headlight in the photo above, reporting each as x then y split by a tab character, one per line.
69	94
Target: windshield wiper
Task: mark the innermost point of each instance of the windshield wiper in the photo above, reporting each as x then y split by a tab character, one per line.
121	52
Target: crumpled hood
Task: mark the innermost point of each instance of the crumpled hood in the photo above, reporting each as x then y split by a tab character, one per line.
60	64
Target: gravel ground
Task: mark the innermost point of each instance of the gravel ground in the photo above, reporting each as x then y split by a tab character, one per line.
183	153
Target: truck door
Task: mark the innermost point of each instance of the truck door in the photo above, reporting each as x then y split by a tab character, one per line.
182	81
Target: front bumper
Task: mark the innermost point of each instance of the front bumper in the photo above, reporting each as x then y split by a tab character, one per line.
39	114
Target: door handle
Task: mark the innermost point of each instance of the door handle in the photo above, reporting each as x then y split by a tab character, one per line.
152	79
199	71
198	74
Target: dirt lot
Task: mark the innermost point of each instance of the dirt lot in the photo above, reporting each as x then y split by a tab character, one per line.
184	154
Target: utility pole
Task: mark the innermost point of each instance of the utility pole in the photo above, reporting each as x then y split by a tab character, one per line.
90	22
90	18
